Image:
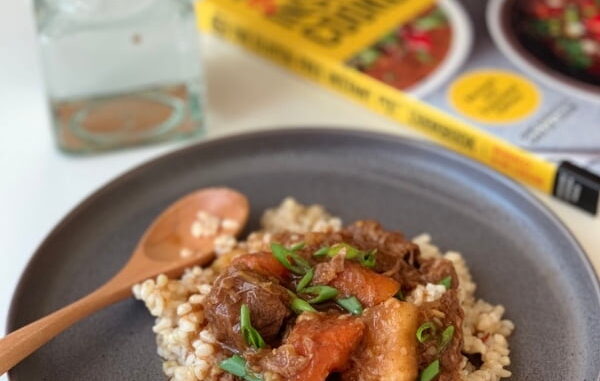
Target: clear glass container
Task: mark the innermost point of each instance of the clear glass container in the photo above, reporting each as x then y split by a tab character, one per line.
120	73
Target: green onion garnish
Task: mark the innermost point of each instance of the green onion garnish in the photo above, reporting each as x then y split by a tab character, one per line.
306	279
321	252
297	246
350	251
571	14
432	21
431	371
399	295
351	305
368	259
446	338
368	56
446	282
236	365
299	305
423	56
425	332
299	266
251	335
323	293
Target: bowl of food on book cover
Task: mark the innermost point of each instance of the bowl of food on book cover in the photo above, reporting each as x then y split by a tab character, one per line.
421	55
555	41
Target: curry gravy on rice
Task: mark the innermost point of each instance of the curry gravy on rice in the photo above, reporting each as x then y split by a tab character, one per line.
305	299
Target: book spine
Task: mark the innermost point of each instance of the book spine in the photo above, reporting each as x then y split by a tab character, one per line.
439	126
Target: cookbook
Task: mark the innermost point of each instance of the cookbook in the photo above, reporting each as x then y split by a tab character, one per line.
514	84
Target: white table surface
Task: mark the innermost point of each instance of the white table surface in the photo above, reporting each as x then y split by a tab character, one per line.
39	185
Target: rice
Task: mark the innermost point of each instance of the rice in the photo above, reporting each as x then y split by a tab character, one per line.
190	352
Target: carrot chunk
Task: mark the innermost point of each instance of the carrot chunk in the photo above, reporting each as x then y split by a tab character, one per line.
326	341
368	286
263	263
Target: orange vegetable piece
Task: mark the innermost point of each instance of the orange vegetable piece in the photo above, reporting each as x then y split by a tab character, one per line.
389	346
327	341
263	263
368	286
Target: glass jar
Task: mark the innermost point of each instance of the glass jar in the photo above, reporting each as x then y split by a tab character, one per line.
120	73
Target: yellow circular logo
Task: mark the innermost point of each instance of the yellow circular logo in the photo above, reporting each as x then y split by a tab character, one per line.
494	96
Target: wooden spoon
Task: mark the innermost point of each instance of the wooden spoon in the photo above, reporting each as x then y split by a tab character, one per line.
168	246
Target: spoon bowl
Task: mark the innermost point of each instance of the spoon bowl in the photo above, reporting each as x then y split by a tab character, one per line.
182	236
172	237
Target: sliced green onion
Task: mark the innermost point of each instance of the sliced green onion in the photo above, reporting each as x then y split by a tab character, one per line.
299	266
306	279
554	27
299	305
297	246
251	335
323	293
236	365
321	252
571	14
399	295
425	332
281	254
389	39
350	251
250	376
446	282
432	21
368	259
368	56
431	371
351	305
446	338
423	56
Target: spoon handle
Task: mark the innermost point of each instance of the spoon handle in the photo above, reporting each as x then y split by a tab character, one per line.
22	342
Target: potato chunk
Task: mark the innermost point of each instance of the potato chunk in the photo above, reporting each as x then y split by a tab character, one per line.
389	348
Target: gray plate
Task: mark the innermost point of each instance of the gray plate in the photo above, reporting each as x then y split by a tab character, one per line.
521	256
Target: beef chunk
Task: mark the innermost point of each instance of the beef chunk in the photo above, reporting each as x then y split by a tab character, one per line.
436	269
445	312
267	300
397	257
284	361
390	245
327	271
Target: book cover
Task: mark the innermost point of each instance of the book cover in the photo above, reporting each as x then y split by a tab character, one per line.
446	68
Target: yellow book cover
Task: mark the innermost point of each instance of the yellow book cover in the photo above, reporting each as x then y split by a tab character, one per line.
338	44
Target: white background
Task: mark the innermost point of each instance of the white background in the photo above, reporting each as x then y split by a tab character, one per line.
39	185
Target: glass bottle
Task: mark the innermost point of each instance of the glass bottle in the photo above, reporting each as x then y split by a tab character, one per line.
120	73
